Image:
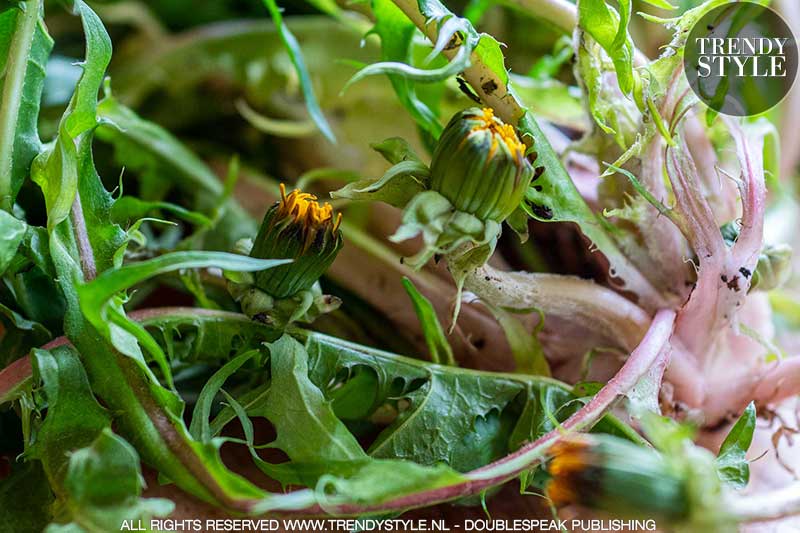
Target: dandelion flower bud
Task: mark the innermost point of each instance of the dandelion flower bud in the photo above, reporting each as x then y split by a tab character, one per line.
299	228
617	476
479	165
774	267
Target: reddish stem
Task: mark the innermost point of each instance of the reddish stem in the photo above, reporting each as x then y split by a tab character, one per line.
14	375
753	191
20	370
85	251
653	350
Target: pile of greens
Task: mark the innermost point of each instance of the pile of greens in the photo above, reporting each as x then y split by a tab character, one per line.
604	335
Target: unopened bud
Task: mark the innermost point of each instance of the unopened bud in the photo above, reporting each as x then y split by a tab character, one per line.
617	476
298	228
774	267
480	166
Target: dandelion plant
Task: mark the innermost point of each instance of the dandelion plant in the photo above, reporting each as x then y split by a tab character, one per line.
390	260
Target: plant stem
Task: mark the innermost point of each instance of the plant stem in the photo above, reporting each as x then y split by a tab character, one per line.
770	505
563	15
653	347
722	284
560	13
592	306
88	266
780	382
486	83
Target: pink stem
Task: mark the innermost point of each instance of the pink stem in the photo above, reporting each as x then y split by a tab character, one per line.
780	382
651	351
85	250
748	245
20	370
698	319
690	201
724	275
688	383
14	374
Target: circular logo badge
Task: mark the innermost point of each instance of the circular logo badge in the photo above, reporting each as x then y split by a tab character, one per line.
741	59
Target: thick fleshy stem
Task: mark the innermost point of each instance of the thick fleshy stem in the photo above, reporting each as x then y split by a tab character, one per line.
563	15
771	505
724	274
753	192
779	382
487	84
584	302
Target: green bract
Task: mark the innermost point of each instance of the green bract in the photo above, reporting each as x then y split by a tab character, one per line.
679	486
298	228
480	165
478	177
773	269
601	472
